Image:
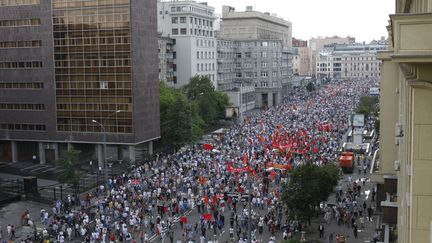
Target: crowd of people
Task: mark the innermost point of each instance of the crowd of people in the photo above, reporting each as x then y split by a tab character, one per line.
204	191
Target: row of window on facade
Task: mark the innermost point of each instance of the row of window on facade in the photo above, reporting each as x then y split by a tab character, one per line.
183	31
250	65
101	40
96	107
204	43
264	74
234	44
205	67
205	55
20	44
10	3
94	85
93	128
21	106
94	18
22	127
20	65
94	63
177	9
24	85
192	20
263	54
19	22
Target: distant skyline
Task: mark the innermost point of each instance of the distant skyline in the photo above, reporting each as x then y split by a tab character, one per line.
365	20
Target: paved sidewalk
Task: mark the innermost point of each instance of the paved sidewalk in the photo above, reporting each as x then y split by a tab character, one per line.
365	235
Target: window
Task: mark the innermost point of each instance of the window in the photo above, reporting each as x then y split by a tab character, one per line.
263	64
182	20
174	20
19	22
238	75
238	55
265	43
8	3
197	56
198	67
20	65
238	65
173	9
183	31
23	127
21	85
103	84
20	44
264	74
174	31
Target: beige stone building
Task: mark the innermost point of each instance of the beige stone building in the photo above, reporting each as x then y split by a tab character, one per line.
301	61
316	44
404	172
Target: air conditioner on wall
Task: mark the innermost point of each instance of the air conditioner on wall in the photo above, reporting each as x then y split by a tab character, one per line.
397	165
399	132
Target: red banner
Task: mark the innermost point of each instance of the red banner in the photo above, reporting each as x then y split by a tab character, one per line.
208	146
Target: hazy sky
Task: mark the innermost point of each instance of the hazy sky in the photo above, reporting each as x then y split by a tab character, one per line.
365	20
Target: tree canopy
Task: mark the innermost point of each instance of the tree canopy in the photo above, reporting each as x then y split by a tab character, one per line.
310	87
309	185
368	105
69	162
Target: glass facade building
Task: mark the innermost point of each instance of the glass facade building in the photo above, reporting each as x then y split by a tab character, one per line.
92	51
68	63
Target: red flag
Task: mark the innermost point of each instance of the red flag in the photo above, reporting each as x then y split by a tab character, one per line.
273	174
245	159
207	216
202	180
208	146
206	199
215	200
184	219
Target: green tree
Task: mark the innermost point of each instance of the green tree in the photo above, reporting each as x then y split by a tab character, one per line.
308	186
211	103
368	105
180	121
310	87
69	162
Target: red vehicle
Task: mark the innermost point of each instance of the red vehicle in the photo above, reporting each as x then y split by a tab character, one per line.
346	162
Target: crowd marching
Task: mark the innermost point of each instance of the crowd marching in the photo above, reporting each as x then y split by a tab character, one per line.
214	182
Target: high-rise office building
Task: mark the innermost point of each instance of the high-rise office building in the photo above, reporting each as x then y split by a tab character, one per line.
72	71
190	24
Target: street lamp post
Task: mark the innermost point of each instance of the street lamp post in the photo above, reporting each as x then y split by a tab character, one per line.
104	146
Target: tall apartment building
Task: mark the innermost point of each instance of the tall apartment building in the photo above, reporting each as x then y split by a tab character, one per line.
349	61
404	173
301	61
190	24
166	60
261	54
316	44
73	71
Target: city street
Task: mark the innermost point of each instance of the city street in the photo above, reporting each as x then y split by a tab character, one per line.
159	201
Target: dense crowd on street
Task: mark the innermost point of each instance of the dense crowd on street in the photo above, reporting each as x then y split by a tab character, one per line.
250	160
